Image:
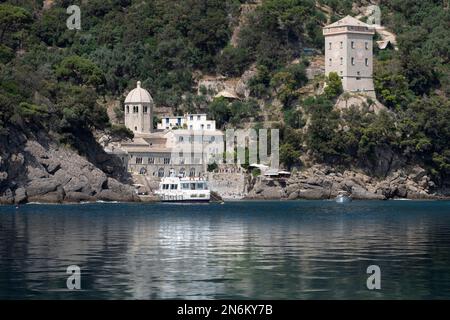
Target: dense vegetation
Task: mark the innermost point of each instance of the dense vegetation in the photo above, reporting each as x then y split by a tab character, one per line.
55	79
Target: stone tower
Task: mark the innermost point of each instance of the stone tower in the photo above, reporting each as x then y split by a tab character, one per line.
138	110
349	53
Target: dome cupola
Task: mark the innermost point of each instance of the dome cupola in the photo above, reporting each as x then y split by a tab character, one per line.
138	95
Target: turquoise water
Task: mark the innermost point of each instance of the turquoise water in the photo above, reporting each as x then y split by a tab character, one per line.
242	250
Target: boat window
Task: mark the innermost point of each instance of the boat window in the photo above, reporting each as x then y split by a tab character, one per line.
165	186
185	186
173	187
192	186
200	186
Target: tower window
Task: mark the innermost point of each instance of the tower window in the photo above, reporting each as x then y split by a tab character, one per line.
367	62
353	61
342	61
353	44
367	46
329	45
341	45
128	109
330	61
135	128
145	109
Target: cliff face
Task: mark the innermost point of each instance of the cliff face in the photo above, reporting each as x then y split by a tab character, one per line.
36	169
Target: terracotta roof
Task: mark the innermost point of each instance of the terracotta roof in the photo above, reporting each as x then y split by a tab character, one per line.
348	21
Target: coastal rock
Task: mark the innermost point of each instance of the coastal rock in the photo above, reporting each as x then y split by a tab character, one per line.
293	195
7	197
321	182
313	194
48	197
20	195
76	197
109	195
359	192
76	184
41	187
36	169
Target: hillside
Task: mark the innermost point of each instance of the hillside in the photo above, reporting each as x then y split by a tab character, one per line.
55	82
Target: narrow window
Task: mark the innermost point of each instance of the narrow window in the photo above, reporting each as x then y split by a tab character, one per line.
145	109
367	46
353	61
367	62
330	61
342	61
329	45
208	126
353	44
341	45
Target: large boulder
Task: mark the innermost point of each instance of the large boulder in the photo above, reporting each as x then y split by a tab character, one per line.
41	186
7	197
314	194
20	195
359	192
77	197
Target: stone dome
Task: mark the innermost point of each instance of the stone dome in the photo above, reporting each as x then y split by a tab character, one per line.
139	95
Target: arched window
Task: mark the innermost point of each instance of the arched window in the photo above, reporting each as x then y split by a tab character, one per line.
143	171
128	109
192	172
182	172
161	172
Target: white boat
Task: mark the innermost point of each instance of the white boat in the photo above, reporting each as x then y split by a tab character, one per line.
343	197
183	189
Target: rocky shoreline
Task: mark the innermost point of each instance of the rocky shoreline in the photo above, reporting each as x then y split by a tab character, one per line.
32	171
322	182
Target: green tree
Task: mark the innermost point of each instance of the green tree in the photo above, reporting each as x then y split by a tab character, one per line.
289	156
12	19
334	86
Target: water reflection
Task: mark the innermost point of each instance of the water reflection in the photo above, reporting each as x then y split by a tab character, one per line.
260	250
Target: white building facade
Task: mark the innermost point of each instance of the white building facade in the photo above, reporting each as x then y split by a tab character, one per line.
188	121
349	53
